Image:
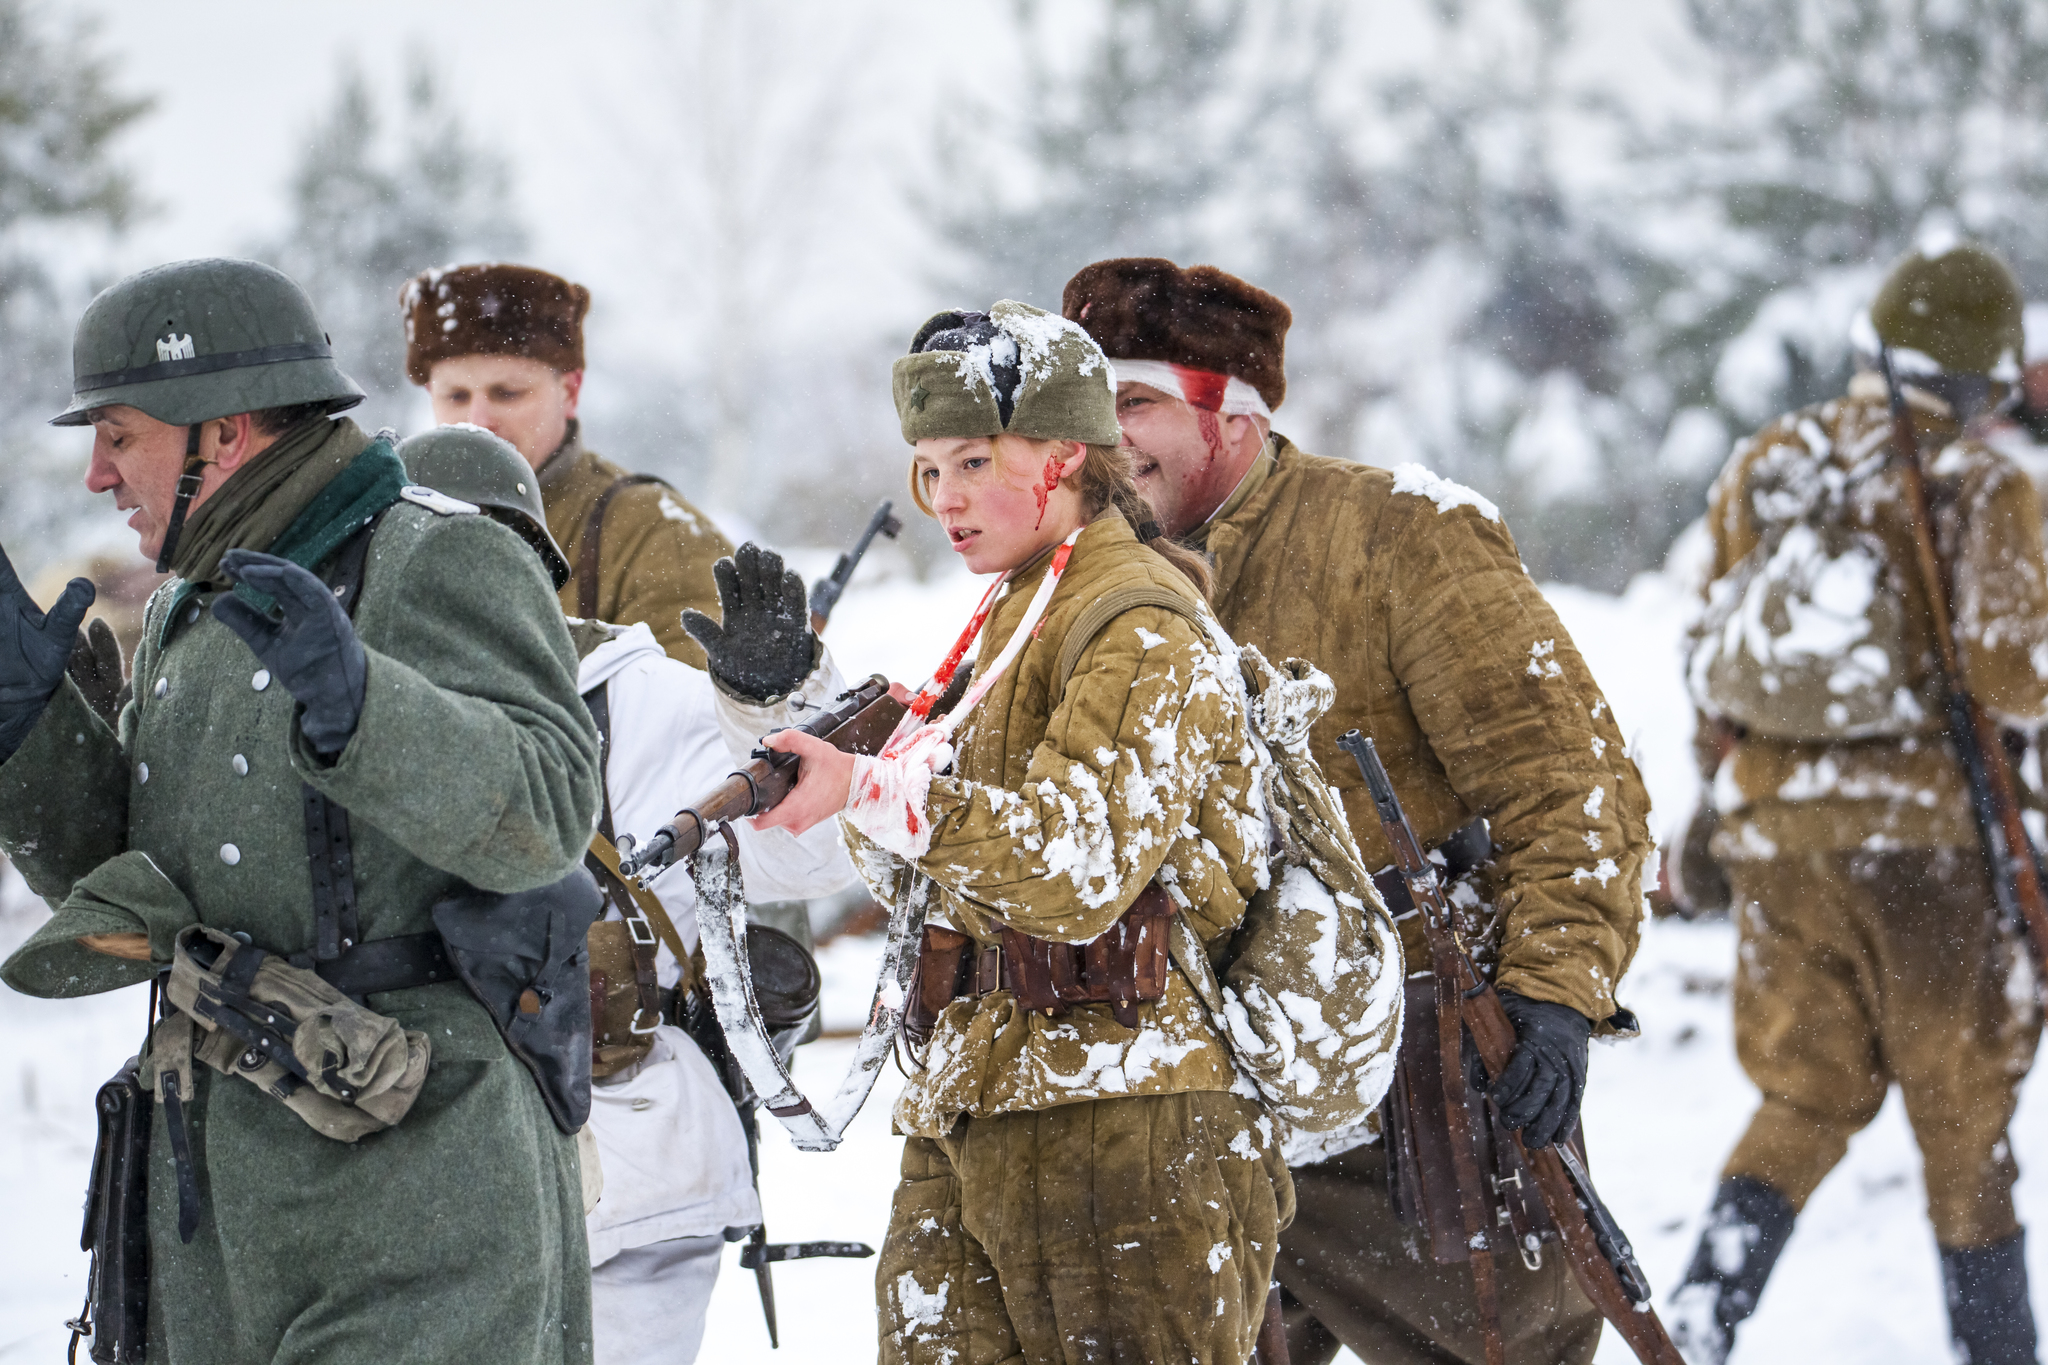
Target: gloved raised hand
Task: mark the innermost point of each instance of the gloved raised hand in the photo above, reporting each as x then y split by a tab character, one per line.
1545	1079
96	667
310	646
35	646
762	648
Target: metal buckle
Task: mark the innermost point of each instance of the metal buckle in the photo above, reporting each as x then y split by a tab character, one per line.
634	1027
636	924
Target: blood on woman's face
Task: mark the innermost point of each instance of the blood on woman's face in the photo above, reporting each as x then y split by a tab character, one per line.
1000	501
1184	459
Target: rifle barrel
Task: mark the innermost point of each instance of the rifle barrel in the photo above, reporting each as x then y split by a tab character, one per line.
861	723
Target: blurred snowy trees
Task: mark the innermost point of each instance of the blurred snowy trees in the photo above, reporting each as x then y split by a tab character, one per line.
377	196
1839	131
62	111
1500	266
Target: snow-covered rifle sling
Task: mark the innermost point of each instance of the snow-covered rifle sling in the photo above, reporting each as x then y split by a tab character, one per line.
1600	1255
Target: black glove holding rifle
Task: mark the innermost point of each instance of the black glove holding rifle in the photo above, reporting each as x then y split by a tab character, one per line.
35	649
762	647
309	645
1539	1093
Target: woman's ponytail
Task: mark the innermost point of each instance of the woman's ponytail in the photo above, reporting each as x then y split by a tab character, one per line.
1105	480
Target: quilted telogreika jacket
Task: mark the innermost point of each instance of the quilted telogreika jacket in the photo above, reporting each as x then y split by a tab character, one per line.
1062	804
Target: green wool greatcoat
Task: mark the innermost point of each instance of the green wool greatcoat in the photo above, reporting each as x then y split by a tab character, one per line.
457	1234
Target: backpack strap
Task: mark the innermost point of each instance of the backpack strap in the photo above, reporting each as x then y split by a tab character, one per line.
588	554
1096	616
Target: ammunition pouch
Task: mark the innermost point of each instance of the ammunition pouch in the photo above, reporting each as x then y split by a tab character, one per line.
525	957
787	985
116	1232
1422	1179
343	1068
625	998
1123	967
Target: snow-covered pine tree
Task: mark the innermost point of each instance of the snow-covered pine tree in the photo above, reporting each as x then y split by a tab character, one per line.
1840	130
373	201
62	189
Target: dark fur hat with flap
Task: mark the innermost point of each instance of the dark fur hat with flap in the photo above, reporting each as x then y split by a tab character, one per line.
1145	308
492	309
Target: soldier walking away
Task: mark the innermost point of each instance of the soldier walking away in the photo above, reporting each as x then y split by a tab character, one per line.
356	708
1407	589
677	1180
1081	1178
1873	948
501	347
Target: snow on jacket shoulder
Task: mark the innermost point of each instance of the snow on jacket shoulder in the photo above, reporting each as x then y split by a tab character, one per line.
1408	591
1065	801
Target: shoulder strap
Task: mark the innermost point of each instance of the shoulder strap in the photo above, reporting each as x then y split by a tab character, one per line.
1097	615
587	555
330	852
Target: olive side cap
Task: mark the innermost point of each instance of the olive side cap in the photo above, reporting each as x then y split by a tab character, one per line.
195	340
1066	388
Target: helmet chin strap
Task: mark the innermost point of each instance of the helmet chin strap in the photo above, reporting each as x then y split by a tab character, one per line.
188	488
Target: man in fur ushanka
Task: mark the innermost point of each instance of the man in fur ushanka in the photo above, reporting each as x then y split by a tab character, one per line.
1407	590
501	347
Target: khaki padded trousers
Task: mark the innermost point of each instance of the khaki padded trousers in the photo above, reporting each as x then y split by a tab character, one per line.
1107	1232
1858	970
1356	1277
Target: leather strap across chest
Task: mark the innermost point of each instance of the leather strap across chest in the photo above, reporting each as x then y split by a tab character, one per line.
589	552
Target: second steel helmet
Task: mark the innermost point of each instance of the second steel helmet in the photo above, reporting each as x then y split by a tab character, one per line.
469	463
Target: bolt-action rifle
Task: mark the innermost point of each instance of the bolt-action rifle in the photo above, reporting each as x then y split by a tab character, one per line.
859	722
2015	864
1599	1253
825	592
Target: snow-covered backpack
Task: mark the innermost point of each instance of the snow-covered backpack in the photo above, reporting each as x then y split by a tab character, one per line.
1307	990
1805	638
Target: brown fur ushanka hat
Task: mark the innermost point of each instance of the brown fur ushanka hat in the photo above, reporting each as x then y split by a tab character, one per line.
1145	308
492	309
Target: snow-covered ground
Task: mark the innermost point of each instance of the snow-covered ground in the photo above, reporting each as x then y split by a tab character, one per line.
1859	1285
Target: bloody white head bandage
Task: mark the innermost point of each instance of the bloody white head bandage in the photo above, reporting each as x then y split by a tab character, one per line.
1205	389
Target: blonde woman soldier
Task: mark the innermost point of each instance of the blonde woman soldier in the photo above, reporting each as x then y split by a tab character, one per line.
1079	1180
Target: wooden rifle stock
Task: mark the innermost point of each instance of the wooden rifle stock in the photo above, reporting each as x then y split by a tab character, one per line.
2014	866
1600	1255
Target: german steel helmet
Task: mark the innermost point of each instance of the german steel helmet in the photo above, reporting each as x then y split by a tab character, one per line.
196	340
470	463
1959	307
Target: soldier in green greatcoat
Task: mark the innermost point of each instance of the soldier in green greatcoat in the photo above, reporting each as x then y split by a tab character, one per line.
434	707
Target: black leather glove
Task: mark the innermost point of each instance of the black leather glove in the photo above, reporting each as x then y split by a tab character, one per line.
35	646
310	646
763	646
97	669
1545	1079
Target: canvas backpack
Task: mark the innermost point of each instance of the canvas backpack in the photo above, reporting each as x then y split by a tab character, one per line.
1307	990
1805	637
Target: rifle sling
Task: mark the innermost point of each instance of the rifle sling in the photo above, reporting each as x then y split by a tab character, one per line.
647	903
588	554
